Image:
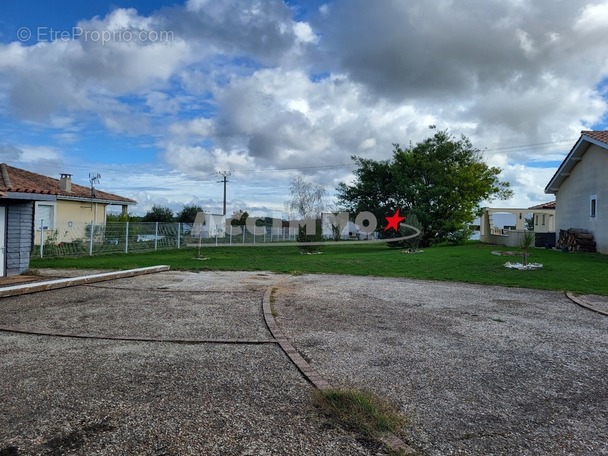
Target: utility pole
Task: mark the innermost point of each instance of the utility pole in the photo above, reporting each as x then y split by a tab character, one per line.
224	175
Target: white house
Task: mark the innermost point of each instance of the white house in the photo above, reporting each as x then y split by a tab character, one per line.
580	186
512	236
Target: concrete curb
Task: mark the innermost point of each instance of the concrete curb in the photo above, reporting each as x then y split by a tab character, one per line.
317	380
17	290
581	302
311	375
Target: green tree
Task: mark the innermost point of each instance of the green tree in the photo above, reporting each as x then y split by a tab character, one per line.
239	218
188	213
440	180
117	218
158	214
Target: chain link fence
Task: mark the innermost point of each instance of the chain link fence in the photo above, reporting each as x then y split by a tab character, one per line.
80	239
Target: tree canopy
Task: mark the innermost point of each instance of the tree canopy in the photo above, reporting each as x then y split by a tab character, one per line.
441	180
239	218
158	214
118	218
188	213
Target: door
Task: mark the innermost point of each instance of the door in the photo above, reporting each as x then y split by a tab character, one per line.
2	241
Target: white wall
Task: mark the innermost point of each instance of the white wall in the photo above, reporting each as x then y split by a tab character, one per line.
588	177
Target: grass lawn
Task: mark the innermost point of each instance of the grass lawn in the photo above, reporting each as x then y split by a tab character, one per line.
473	263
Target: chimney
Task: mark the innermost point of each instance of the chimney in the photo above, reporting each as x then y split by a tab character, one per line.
65	183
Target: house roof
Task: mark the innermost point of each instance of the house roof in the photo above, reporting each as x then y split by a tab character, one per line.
16	180
587	139
549	205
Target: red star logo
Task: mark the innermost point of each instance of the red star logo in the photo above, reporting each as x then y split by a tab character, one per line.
393	222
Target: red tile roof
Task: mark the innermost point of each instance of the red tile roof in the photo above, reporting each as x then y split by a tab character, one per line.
21	181
549	205
601	136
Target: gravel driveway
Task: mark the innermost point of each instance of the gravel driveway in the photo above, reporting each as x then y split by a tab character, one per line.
478	370
94	396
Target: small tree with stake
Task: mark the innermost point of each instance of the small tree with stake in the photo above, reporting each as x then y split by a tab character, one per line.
527	241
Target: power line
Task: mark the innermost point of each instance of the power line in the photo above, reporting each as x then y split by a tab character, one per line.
542	145
302	168
145	170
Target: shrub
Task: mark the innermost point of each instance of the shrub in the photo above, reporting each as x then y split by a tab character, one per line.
303	236
412	243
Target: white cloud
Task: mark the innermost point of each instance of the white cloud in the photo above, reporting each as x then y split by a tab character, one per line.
528	184
162	103
526	43
10	153
44	160
60	77
196	160
464	51
196	128
593	17
367	144
36	153
304	33
243	86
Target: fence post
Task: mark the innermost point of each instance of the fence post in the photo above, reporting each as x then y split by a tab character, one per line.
179	235
155	235
230	234
127	238
41	238
91	239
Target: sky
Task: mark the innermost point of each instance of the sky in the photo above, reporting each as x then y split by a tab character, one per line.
159	96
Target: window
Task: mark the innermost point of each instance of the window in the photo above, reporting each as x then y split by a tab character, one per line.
45	216
544	215
593	206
